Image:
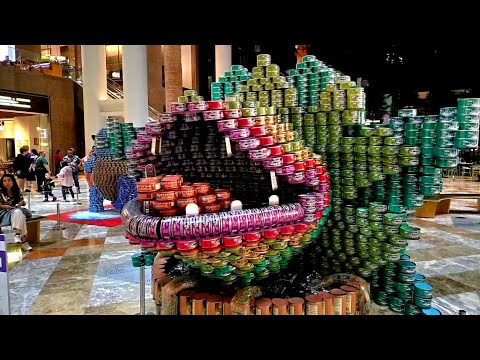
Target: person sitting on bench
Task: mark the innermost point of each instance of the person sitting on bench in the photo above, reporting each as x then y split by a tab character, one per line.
11	210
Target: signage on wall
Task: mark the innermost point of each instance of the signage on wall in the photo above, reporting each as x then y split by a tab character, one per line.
22	102
4	294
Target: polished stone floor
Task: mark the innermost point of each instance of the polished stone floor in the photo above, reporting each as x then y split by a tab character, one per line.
86	269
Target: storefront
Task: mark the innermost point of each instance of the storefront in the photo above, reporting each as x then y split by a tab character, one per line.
24	120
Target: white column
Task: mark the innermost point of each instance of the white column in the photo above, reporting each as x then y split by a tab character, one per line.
94	78
135	84
223	60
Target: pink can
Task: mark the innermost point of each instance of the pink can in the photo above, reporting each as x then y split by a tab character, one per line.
165	226
232	114
225	125
273	162
296	178
323	187
312	182
195	226
248	143
259	154
236	134
266	217
176	107
285	170
166	118
226	223
197	105
215	227
258	216
212	115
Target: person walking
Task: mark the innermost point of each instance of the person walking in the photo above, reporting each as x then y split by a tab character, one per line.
74	162
57	159
48	185
33	156
21	166
11	210
41	169
67	180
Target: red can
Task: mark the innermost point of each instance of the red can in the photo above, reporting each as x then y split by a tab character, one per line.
320	170
318	215
202	188
162	205
209	243
225	205
246	122
186	244
187	192
289	158
207	199
165	245
165	195
323	177
252	236
182	203
309	163
216	105
267	140
258	131
270	233
232	240
287	230
222	194
301	228
276	150
211	208
299	166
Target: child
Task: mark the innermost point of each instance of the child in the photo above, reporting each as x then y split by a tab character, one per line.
48	185
67	180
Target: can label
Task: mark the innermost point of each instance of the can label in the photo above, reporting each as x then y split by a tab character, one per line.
275	310
337	306
312	309
291	310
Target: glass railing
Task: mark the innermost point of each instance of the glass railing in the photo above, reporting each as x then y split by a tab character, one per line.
27	60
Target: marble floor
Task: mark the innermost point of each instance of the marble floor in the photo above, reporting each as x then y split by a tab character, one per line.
86	269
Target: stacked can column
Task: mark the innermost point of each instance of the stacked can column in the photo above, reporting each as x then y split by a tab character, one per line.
468	113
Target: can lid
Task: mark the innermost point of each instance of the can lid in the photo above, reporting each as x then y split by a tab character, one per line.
263	302
278	302
423	286
296	300
431	311
325	295
348	288
337	292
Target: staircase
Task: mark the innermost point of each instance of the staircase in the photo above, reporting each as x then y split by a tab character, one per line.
114	89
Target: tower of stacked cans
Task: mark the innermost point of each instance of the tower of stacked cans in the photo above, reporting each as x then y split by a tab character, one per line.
468	116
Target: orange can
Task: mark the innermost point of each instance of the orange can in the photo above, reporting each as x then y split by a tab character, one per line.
199	303
214	305
296	306
339	301
279	306
350	299
263	307
328	298
315	305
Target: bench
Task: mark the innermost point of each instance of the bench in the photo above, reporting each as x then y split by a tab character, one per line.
33	229
440	204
